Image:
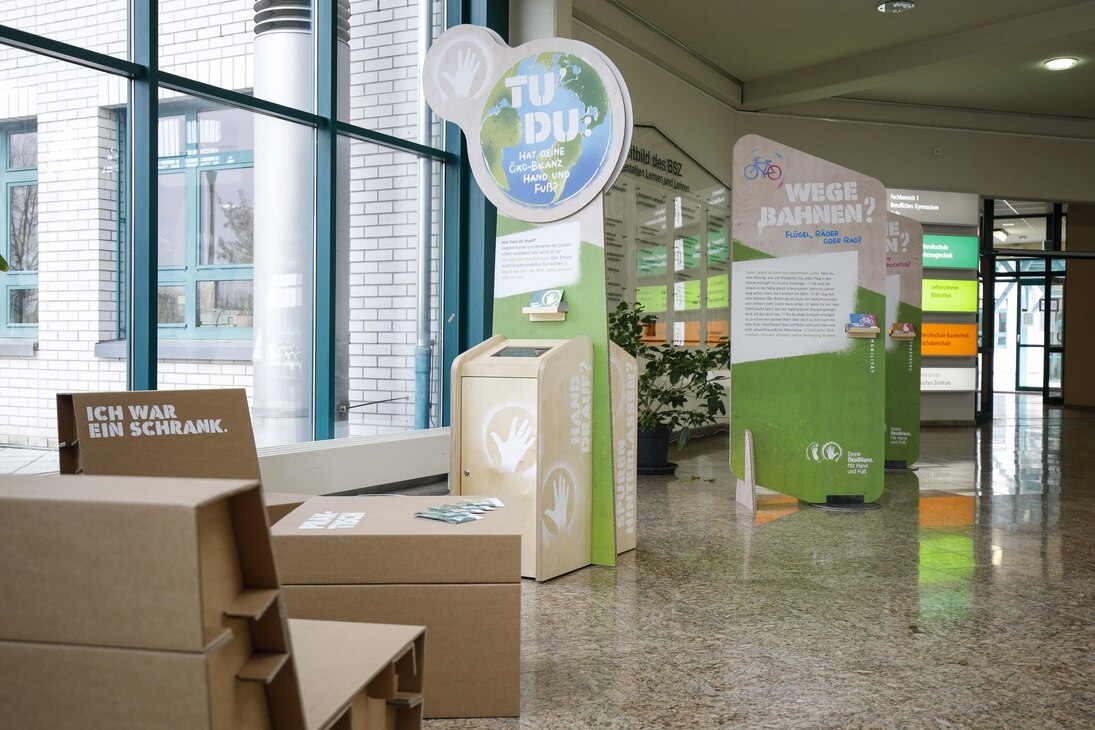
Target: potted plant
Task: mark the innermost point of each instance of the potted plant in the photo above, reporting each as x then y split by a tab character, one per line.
676	389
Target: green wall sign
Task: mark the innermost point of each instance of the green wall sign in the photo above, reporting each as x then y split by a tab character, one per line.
949	295
653	298
950	252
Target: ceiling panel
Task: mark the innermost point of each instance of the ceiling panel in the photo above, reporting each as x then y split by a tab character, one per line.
790	40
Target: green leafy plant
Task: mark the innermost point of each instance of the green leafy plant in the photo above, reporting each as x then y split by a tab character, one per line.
676	389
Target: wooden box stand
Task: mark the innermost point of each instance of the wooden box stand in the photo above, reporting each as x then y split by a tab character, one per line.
522	427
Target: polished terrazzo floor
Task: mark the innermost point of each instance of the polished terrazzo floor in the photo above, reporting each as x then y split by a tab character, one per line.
967	601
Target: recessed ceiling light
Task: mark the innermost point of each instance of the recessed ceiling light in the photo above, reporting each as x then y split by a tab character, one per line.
1061	64
896	6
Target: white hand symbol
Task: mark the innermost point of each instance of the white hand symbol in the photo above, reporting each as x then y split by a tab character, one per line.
466	66
558	514
515	446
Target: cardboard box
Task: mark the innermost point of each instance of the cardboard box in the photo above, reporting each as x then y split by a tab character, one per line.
370	559
60	686
168	433
474	667
132	562
360	676
279	504
125	590
377	539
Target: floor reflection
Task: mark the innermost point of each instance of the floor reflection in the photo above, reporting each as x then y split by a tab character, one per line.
968	600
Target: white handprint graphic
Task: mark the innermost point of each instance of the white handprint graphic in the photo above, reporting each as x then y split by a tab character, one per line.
556	518
516	445
467	63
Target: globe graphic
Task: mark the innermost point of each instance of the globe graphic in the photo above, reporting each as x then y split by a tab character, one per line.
546	130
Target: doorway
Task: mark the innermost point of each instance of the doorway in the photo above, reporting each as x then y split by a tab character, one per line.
1029	328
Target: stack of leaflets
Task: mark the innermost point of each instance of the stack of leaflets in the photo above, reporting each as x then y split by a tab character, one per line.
467	510
862	320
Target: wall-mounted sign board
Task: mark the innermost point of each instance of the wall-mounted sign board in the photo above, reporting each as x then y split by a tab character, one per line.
934	207
950	252
948	380
948	340
949	295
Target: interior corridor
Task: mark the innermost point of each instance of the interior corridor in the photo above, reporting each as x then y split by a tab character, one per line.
968	600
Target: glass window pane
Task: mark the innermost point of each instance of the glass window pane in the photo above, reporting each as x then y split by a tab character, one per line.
172	136
393	217
227	216
172	305
225	130
385	65
23	212
171	234
225	303
23	306
23	150
262	48
249	198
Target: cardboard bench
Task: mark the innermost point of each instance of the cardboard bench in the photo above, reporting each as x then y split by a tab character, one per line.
159	591
358	676
370	559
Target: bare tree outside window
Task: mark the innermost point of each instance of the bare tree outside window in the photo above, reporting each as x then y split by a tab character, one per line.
23	249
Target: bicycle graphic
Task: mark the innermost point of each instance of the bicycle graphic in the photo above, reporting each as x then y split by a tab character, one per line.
756	169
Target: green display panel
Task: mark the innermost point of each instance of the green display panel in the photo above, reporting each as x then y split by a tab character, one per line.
582	276
904	274
718	291
718	246
653	298
651	261
950	252
949	295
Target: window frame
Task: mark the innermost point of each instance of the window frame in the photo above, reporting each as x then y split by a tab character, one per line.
192	163
11	281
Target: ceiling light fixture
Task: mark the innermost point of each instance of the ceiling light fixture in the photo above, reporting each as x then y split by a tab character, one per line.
894	7
1061	64
1000	235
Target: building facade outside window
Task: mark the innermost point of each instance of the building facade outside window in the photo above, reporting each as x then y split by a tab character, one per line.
65	132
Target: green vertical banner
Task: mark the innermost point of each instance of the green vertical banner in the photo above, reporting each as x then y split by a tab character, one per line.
579	240
808	293
904	273
548	126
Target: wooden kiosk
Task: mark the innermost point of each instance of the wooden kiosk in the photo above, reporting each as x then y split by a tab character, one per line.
522	425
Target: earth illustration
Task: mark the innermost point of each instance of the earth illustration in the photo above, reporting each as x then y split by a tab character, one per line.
547	134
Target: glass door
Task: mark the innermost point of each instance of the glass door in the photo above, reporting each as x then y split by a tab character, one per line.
1030	336
1056	339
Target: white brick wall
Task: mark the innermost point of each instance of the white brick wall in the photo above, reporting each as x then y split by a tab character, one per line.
210	41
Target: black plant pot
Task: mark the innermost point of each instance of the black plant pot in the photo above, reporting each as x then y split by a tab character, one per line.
653	452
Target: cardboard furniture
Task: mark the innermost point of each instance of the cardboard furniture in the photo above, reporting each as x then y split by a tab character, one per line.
370	559
150	602
358	676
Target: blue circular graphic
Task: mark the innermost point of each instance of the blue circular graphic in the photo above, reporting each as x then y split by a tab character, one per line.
546	131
